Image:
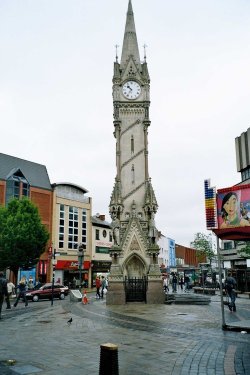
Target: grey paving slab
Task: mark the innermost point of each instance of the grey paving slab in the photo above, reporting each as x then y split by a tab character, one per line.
151	339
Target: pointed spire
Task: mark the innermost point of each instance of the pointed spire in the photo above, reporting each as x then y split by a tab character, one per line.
130	45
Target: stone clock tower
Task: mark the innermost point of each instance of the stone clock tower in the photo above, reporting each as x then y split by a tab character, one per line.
135	274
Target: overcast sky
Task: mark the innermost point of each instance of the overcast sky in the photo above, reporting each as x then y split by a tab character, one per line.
56	109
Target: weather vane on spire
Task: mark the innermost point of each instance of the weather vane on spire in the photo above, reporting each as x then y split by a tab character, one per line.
116	49
145	56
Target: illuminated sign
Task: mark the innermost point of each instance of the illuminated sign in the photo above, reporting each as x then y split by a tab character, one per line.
210	205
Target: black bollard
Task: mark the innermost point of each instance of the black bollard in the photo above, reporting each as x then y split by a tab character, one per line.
109	359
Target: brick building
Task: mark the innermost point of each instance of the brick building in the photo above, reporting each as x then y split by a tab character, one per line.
23	178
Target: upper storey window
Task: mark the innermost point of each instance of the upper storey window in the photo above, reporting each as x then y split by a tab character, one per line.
245	174
16	186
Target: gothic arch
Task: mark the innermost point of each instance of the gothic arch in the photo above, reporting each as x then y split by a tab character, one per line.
135	266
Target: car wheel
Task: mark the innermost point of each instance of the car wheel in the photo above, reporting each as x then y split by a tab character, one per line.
62	296
35	298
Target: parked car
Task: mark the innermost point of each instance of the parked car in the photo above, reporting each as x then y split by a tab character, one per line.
45	292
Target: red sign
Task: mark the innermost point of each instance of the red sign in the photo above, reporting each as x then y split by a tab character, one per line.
71	265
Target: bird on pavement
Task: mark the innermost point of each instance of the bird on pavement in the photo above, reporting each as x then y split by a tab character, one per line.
70	321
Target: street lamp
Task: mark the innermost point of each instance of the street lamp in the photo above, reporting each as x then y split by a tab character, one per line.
81	251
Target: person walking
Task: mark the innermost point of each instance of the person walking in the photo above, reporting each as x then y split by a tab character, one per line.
98	285
3	291
165	284
103	286
174	283
181	283
10	291
186	281
230	286
22	286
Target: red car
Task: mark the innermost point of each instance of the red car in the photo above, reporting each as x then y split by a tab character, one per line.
45	292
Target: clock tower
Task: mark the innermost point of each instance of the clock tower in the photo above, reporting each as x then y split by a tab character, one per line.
133	203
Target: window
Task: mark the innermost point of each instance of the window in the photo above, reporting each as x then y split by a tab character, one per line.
104	233
73	228
16	186
84	226
245	174
228	245
110	237
97	234
61	226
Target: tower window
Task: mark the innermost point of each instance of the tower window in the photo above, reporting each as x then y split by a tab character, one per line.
132	144
16	186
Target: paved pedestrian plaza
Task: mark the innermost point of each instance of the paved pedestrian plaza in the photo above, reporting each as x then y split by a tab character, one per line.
152	339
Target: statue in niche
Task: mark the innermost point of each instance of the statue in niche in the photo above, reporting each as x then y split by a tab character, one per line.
116	230
152	231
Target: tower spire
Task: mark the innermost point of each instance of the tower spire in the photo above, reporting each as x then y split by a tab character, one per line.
130	45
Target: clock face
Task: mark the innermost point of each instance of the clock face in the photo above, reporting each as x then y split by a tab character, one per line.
131	90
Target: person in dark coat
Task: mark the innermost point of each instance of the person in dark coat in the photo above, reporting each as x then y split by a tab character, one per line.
3	291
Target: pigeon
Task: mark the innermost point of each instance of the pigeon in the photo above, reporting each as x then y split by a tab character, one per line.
70	321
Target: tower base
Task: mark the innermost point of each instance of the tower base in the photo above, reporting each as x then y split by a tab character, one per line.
116	293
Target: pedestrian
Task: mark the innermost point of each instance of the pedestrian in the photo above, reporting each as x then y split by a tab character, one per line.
230	286
3	291
103	286
181	283
30	283
174	283
22	286
98	285
10	292
165	284
186	282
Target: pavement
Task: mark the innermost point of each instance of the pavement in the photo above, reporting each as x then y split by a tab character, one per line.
174	339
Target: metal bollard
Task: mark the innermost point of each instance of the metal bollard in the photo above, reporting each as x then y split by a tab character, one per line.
109	359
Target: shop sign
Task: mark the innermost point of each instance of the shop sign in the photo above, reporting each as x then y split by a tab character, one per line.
70	265
101	265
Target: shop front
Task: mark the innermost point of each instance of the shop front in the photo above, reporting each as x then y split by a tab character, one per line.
67	273
99	268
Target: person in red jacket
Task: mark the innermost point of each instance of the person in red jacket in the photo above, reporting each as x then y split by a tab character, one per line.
98	285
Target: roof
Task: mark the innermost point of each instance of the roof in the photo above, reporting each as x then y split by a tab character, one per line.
102	223
36	174
81	188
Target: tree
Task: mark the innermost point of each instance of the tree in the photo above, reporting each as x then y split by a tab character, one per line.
244	250
23	237
204	245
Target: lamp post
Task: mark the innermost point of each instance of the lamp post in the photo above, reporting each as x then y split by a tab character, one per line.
81	250
53	275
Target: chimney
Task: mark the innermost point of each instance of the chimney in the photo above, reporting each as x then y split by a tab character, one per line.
101	217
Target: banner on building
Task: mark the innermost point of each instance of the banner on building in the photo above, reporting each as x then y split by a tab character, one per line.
233	213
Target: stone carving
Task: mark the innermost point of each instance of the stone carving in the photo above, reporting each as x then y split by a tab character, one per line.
152	231
116	231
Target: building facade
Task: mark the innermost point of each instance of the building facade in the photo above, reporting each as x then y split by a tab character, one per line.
71	228
102	241
231	250
22	178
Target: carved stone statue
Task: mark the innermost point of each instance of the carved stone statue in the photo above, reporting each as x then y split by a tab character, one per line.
152	231
116	231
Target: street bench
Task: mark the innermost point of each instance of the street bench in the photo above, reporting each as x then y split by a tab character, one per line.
198	289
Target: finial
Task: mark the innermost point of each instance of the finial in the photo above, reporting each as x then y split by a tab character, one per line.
145	57
116	53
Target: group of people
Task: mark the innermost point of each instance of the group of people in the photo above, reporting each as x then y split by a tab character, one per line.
101	285
8	290
174	281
